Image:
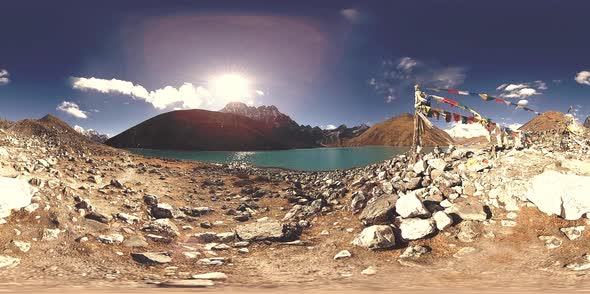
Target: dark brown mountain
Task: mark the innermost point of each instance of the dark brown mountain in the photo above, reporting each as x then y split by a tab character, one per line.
548	121
399	131
200	130
339	135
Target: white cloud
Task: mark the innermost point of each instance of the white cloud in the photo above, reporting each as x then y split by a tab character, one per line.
330	127
4	77
72	109
79	129
350	14
514	126
522	90
513	87
523	102
397	77
187	95
459	130
260	92
583	77
407	63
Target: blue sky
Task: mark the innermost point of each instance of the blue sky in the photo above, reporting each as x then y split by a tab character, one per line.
318	61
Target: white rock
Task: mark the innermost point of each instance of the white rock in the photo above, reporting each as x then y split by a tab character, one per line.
342	254
214	276
3	152
560	194
419	167
21	246
415	228
409	205
375	237
111	239
573	233
16	194
369	271
437	163
443	220
50	234
7	262
551	242
508	223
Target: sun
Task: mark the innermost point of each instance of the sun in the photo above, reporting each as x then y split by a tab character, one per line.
231	87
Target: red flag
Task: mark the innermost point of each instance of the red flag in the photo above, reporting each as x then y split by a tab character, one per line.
453	91
449	101
456	117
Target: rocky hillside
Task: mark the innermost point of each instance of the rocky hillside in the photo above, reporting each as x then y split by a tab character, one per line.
399	131
553	121
197	129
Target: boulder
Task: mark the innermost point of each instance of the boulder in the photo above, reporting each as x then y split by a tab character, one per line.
162	226
442	220
16	194
7	262
151	257
211	276
164	210
437	163
409	205
561	194
270	230
342	254
471	210
416	228
379	210
375	237
419	167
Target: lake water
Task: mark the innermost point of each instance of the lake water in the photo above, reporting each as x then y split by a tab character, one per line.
317	159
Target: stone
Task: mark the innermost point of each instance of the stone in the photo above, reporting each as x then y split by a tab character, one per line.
413	183
369	271
3	152
408	205
375	237
20	246
468	210
186	284
580	264
442	220
151	258
379	210
565	195
508	223
162	226
99	217
111	239
416	228
50	234
214	276
135	241
437	164
164	210
270	230
342	254
115	183
551	242
464	251
7	262
419	167
573	233
206	237
415	251
16	194
468	231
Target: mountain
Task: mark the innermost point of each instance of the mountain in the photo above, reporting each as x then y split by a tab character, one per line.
198	129
337	136
399	131
269	115
289	131
92	134
587	122
548	121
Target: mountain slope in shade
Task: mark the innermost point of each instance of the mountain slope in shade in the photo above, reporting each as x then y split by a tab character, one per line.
197	129
399	131
548	121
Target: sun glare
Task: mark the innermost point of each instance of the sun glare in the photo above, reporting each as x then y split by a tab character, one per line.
232	87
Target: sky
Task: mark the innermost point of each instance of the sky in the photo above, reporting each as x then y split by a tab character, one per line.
108	65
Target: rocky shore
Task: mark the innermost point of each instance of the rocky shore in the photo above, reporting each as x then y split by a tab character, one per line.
74	212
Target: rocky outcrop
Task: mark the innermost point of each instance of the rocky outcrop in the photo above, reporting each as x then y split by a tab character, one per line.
16	194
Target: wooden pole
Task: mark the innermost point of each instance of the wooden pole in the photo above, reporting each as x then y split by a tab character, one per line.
418	125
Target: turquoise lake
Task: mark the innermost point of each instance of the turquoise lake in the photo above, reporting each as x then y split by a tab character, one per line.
317	159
